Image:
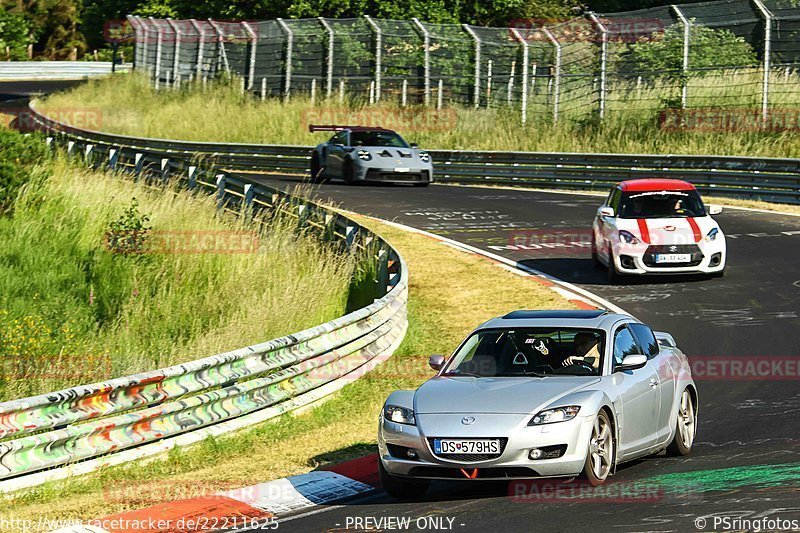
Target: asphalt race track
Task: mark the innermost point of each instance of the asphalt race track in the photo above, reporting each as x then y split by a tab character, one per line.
746	459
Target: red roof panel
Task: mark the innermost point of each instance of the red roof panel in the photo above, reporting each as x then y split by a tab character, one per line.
655	184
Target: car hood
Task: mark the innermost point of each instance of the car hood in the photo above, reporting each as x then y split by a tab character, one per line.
506	395
669	230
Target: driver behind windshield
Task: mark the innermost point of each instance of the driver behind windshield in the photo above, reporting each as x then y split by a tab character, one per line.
586	350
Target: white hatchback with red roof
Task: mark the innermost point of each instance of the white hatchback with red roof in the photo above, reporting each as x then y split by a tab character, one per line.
657	226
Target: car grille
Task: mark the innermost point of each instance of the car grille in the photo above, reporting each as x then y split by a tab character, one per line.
470	457
649	256
374	174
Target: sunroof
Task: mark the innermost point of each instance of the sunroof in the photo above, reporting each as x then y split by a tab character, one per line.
566	313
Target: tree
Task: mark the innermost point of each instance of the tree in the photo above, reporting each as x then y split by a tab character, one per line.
53	25
662	54
14	35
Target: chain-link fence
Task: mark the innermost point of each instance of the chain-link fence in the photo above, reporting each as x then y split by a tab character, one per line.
735	54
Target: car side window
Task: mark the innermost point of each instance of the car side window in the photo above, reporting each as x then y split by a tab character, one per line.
339	138
614	200
624	344
646	339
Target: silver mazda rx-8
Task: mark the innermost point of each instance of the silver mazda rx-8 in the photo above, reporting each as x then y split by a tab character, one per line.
540	394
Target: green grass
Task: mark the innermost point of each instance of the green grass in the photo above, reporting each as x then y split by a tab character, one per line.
72	311
342	428
128	105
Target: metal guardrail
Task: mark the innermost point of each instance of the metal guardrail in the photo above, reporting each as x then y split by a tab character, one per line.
56	70
88	421
768	179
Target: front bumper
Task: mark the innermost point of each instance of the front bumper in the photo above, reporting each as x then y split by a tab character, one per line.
709	257
414	174
512	463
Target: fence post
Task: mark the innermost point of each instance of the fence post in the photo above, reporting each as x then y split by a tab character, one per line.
477	90
439	94
426	39
253	44
289	47
201	39
556	74
331	43
525	60
687	28
488	83
767	15
143	26
176	51
223	55
603	60
159	46
378	46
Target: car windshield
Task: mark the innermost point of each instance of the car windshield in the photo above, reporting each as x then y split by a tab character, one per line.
662	204
377	138
529	352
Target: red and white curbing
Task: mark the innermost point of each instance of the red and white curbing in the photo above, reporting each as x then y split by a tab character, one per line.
253	507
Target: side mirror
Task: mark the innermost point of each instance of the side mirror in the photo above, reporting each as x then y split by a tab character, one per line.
714	209
631	362
606	211
414	145
436	362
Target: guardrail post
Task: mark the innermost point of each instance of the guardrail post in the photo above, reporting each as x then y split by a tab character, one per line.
113	157
687	29
49	143
603	60
192	177
70	148
329	65
220	191
524	96
289	48
302	215
249	194
164	172
378	45
253	44
766	14
138	164
556	74
477	90
88	154
426	39
383	271
350	236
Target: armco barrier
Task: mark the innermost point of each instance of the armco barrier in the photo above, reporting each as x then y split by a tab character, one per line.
88	421
769	179
56	70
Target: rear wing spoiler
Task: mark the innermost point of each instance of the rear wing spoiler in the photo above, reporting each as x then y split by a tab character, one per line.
327	127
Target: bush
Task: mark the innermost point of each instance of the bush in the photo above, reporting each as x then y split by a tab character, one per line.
14	34
18	155
662	54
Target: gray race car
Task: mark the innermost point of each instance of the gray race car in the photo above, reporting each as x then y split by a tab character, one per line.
540	394
361	153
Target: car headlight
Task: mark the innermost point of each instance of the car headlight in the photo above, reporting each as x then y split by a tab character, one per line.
712	235
401	415
626	237
558	414
424	157
364	155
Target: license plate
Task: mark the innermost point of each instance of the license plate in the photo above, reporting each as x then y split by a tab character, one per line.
448	446
401	169
673	258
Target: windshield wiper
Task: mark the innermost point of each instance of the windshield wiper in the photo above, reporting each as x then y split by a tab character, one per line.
523	373
462	374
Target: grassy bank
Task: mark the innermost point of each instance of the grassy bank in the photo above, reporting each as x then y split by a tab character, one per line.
128	105
76	306
342	428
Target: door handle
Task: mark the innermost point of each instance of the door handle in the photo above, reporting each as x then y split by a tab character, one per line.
653	383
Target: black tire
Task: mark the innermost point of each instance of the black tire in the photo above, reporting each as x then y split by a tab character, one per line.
687	417
595	260
613	276
316	168
421	184
349	172
591	474
402	488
